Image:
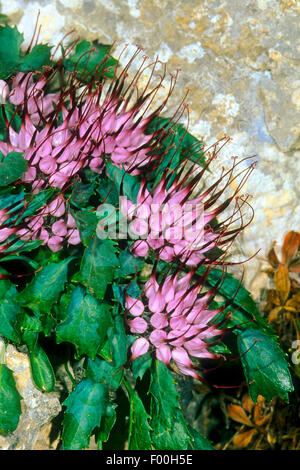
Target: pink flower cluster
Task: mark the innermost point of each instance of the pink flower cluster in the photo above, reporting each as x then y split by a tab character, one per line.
173	319
170	224
174	226
61	134
88	131
61	226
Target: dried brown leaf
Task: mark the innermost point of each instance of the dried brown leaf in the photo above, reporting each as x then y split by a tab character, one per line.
282	283
271	438
295	267
273	297
274	313
290	246
293	304
272	257
244	438
248	404
259	418
237	413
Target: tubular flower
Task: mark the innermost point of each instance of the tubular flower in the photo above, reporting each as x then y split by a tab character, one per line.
173	319
174	225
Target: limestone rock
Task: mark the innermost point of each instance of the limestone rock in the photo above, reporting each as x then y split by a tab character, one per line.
38	409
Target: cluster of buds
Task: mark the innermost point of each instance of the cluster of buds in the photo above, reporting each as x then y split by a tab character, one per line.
61	226
175	320
174	226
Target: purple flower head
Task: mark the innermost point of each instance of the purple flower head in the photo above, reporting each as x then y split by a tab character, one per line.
79	126
173	318
177	221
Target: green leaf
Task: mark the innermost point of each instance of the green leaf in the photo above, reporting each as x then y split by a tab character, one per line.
86	323
20	246
87	224
265	367
25	259
37	201
81	193
85	407
101	371
139	429
88	59
31	323
107	422
5	284
108	192
140	365
199	442
12	117
46	287
38	57
8	199
232	288
129	264
176	145
175	438
9	310
28	204
10	42
41	369
170	430
12	167
10	401
30	338
118	341
98	265
130	184
11	58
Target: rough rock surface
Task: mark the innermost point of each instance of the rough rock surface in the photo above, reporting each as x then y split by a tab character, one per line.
38	408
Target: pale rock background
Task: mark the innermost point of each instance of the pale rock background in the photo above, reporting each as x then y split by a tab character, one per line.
38	409
240	61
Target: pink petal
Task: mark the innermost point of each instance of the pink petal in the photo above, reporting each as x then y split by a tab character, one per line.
135	306
138	325
74	237
5	233
71	223
139	347
163	353
56	208
4	91
55	243
48	165
59	228
178	322
30	175
96	165
159	320
157	302
181	357
158	337
140	248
